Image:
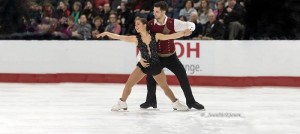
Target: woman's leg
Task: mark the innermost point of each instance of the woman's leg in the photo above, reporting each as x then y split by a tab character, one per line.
133	79
162	81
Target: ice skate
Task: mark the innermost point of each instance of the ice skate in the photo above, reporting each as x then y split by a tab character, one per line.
177	105
121	105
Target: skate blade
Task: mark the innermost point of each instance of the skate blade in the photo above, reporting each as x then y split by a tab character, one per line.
121	110
175	110
149	109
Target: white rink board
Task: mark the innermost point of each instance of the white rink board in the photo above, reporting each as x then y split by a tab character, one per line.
215	58
241	58
112	57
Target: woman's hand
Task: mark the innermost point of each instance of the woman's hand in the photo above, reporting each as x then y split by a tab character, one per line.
187	32
101	35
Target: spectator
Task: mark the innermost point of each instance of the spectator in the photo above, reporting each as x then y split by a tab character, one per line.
212	4
98	24
188	9
131	4
105	13
115	4
198	27
70	28
142	8
219	12
76	11
113	25
196	4
89	11
83	30
63	10
125	17
234	20
72	2
54	24
174	7
43	27
54	3
131	29
35	11
100	3
49	11
203	11
213	29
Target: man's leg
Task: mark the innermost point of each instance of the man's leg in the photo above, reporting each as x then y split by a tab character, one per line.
151	93
174	65
234	28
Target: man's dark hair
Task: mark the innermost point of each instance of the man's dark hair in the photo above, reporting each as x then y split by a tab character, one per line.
162	5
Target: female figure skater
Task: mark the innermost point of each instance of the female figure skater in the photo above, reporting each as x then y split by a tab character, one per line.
146	43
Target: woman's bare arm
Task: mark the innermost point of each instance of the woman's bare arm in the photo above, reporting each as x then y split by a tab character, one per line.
118	37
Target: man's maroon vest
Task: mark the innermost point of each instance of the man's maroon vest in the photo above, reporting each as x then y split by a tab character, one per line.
164	46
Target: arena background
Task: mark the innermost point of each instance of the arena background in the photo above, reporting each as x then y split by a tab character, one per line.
265	19
51	86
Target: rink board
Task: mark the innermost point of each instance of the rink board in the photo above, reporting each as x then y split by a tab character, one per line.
209	63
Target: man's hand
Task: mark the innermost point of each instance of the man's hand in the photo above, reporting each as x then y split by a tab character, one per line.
229	9
75	34
222	21
142	11
144	63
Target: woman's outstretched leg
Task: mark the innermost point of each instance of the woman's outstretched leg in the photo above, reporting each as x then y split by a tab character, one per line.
162	81
133	79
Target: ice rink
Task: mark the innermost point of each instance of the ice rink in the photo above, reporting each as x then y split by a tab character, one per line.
85	109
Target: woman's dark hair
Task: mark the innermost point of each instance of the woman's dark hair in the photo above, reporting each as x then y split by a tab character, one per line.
144	21
162	5
190	1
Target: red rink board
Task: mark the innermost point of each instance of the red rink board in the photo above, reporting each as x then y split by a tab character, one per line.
172	80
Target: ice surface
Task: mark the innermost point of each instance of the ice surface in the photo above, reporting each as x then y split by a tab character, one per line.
85	109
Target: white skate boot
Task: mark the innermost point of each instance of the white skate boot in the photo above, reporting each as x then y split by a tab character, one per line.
177	105
121	105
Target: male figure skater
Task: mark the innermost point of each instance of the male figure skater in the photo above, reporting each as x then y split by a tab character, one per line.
167	55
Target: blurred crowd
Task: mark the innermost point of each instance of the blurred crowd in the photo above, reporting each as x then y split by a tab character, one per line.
84	19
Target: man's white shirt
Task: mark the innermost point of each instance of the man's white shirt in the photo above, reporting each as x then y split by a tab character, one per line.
178	24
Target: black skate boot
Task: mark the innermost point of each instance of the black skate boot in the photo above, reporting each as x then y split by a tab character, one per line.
146	105
196	105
